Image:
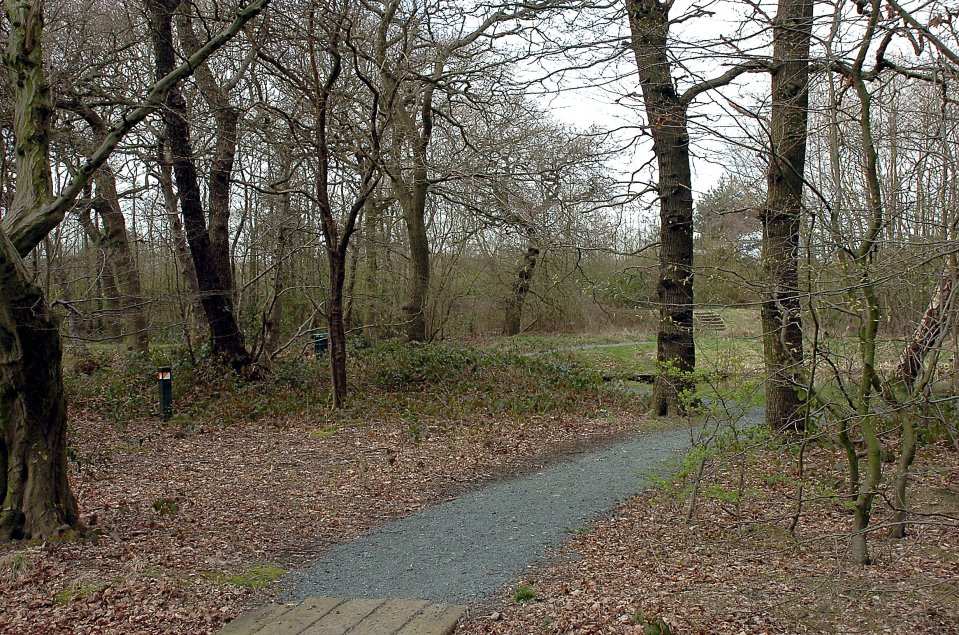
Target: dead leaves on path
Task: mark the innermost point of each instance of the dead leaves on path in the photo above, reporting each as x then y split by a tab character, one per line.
176	523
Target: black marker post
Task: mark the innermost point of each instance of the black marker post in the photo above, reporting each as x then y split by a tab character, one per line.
165	378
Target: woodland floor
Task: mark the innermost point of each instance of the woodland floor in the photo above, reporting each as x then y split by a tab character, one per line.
737	570
186	527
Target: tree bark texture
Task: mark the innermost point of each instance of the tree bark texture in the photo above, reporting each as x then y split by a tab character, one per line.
666	112
225	336
37	500
33	410
413	202
782	215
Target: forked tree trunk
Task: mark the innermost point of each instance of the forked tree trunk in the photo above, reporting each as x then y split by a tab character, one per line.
226	338
782	215
513	318
666	112
336	234
227	118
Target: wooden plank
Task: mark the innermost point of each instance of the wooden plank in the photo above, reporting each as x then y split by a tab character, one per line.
343	617
388	618
437	619
303	616
254	621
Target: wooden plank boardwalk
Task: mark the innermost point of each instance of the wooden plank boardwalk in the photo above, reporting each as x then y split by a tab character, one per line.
341	616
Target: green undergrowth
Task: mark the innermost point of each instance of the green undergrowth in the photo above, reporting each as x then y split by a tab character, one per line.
390	380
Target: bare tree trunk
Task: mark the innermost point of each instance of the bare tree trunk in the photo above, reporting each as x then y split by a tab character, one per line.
274	318
374	234
906	456
337	330
33	449
350	290
513	318
107	318
414	213
666	112
227	118
337	234
114	238
928	334
180	245
37	500
225	336
782	215
117	247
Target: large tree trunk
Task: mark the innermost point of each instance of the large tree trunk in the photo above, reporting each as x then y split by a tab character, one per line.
33	410
225	336
666	112
227	118
513	316
37	500
782	215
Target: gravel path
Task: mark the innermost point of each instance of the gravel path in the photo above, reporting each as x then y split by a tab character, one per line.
464	550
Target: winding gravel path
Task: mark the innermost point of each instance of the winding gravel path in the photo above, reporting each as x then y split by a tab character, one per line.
464	550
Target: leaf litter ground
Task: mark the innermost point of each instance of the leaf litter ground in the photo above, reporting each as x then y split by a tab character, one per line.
736	569
185	530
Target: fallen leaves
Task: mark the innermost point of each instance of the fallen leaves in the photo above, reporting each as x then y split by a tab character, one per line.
178	524
745	574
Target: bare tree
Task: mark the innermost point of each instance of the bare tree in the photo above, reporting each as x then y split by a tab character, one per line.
666	113
782	215
226	338
37	500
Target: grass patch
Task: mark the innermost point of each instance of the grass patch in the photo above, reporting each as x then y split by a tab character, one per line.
323	433
15	564
255	577
524	593
76	591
